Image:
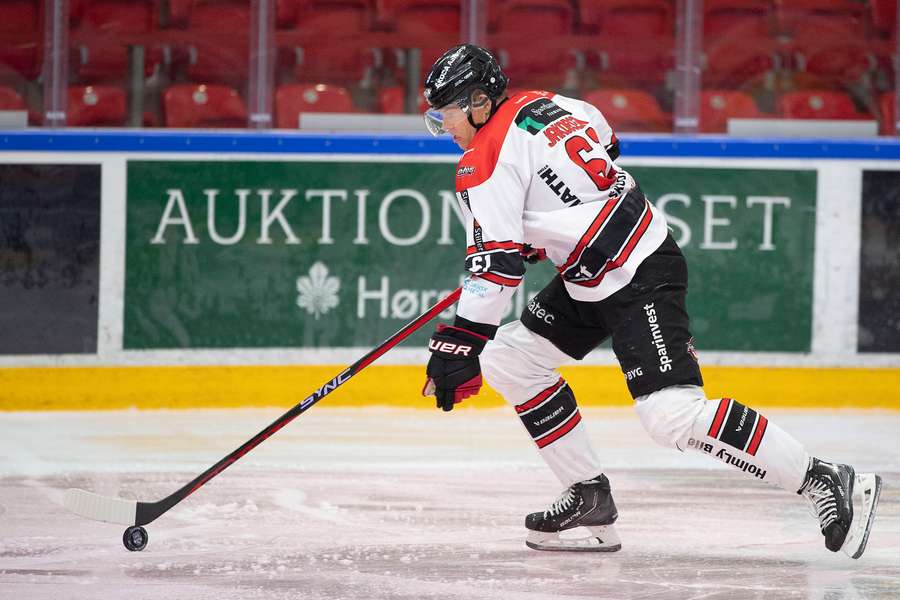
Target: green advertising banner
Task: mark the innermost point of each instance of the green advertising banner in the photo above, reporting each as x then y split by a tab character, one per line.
749	239
247	254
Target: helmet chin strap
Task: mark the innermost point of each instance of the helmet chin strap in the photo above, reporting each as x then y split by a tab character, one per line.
494	107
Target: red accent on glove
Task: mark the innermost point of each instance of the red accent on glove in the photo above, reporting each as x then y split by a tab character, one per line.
469	388
442	327
532	255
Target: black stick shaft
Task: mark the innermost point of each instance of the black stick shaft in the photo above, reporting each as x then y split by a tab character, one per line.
150	511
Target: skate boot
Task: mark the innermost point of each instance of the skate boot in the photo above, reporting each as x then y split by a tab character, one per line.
586	504
844	503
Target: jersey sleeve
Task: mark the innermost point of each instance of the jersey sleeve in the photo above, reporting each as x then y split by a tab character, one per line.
494	240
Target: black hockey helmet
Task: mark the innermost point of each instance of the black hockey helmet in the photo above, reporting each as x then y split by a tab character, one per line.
461	70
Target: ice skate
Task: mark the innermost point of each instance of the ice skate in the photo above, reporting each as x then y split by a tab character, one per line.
587	504
844	503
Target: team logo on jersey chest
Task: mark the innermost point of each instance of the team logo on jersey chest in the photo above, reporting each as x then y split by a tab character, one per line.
534	116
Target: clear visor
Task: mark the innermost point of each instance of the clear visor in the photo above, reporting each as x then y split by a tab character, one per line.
440	120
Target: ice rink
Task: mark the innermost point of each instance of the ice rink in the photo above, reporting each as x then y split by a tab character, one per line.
393	503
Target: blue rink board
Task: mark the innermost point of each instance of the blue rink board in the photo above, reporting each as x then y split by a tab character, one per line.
251	142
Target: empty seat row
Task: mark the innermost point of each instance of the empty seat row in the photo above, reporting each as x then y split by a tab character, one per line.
190	105
547	17
741	44
731	63
635	110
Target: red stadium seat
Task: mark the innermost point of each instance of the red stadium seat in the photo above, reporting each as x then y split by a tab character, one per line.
179	10
736	62
833	56
818	104
109	59
19	16
630	110
291	100
432	26
203	105
20	58
543	65
429	53
541	18
220	50
717	106
884	16
548	66
743	18
391	99
321	60
343	64
219	15
118	16
886	108
630	19
798	17
430	16
11	100
95	106
641	65
327	15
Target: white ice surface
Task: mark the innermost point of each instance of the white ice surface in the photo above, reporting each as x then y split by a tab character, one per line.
409	504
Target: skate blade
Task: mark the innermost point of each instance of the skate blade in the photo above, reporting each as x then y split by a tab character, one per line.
867	489
602	538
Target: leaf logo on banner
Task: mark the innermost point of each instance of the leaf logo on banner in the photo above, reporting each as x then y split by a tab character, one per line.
318	293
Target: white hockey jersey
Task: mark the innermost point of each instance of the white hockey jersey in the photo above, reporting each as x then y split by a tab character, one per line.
538	173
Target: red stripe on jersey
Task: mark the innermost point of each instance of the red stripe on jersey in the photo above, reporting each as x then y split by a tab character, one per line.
625	251
558	433
480	158
510	245
761	425
724	403
597	223
537	400
499	279
632	242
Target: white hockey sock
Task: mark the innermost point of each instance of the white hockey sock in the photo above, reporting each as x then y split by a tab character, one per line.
682	417
554	422
521	366
741	437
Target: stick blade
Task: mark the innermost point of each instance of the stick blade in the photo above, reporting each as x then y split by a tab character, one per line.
101	508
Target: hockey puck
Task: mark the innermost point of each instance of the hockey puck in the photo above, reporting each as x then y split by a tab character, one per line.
135	538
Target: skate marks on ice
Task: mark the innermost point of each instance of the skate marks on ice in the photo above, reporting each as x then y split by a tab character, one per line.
248	539
394	505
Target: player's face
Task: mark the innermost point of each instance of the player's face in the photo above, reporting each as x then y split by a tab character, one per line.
458	126
452	120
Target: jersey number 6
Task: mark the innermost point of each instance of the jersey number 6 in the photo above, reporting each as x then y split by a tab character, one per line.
579	150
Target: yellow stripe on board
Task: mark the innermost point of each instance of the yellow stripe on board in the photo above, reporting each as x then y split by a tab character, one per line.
107	388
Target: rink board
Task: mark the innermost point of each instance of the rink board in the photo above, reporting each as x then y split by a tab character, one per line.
42	388
189	287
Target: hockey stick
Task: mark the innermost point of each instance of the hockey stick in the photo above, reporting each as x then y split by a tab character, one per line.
135	513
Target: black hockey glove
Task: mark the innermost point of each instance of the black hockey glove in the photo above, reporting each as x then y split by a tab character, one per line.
453	371
532	255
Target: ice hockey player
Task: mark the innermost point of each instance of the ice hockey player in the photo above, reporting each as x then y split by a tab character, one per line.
538	179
